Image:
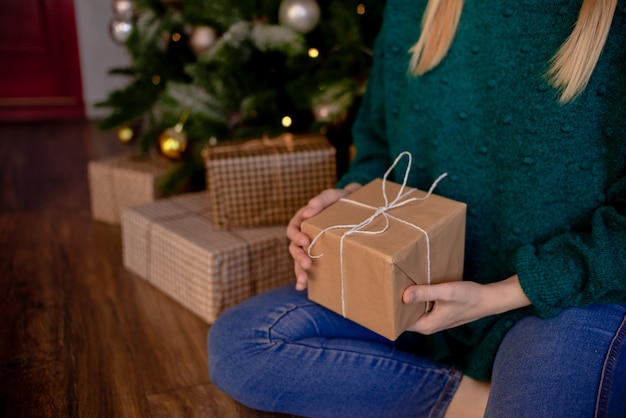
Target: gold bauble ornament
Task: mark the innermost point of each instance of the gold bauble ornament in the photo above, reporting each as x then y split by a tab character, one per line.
125	134
173	141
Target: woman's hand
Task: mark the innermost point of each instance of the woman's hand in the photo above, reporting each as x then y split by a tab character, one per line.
299	240
457	303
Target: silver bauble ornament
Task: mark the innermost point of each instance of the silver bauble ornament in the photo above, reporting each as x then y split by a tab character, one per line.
299	15
123	9
202	39
120	29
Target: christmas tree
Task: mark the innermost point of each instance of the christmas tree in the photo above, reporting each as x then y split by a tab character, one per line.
212	70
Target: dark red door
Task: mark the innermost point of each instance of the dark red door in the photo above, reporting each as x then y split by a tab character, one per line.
39	60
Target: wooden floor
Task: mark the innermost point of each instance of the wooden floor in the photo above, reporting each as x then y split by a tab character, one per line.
80	336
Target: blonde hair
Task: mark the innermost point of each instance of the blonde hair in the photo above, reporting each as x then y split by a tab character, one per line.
569	70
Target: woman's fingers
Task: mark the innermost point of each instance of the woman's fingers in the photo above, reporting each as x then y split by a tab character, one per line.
294	233
453	303
299	241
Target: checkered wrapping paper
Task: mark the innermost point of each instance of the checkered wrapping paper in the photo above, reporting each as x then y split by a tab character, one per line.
121	181
173	245
265	181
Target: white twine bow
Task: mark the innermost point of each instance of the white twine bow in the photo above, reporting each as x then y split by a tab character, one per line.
382	210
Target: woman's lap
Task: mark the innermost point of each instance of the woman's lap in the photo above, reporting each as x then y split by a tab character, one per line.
280	352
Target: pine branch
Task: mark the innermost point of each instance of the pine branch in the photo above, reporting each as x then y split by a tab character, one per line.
257	71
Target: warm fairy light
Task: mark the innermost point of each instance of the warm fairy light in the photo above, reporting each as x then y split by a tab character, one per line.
176	37
314	53
360	9
286	121
156	79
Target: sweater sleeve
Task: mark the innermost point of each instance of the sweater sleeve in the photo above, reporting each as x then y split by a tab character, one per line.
582	267
368	131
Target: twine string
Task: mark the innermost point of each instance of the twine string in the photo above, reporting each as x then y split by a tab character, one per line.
397	202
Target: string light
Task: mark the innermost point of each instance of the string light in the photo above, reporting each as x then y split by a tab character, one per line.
176	37
156	79
286	121
314	53
360	9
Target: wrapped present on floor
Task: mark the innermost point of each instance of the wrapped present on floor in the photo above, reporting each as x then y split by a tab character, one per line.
173	245
370	246
125	180
265	181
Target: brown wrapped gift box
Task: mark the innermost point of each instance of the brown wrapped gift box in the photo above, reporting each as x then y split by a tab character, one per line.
379	265
173	245
122	181
265	181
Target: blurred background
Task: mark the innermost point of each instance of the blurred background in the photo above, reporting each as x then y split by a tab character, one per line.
171	76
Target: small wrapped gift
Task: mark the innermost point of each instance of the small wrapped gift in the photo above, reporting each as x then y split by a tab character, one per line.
265	181
125	180
370	246
172	244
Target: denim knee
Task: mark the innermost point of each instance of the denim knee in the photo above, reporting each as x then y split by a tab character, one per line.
554	367
241	344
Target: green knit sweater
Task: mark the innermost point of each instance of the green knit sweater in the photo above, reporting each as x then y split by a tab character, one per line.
545	183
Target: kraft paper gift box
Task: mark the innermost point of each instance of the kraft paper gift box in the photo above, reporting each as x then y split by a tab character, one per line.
419	242
172	244
265	181
124	180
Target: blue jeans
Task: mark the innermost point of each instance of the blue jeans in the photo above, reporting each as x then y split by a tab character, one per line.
280	352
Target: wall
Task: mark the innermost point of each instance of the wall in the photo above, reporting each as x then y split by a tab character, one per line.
98	54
